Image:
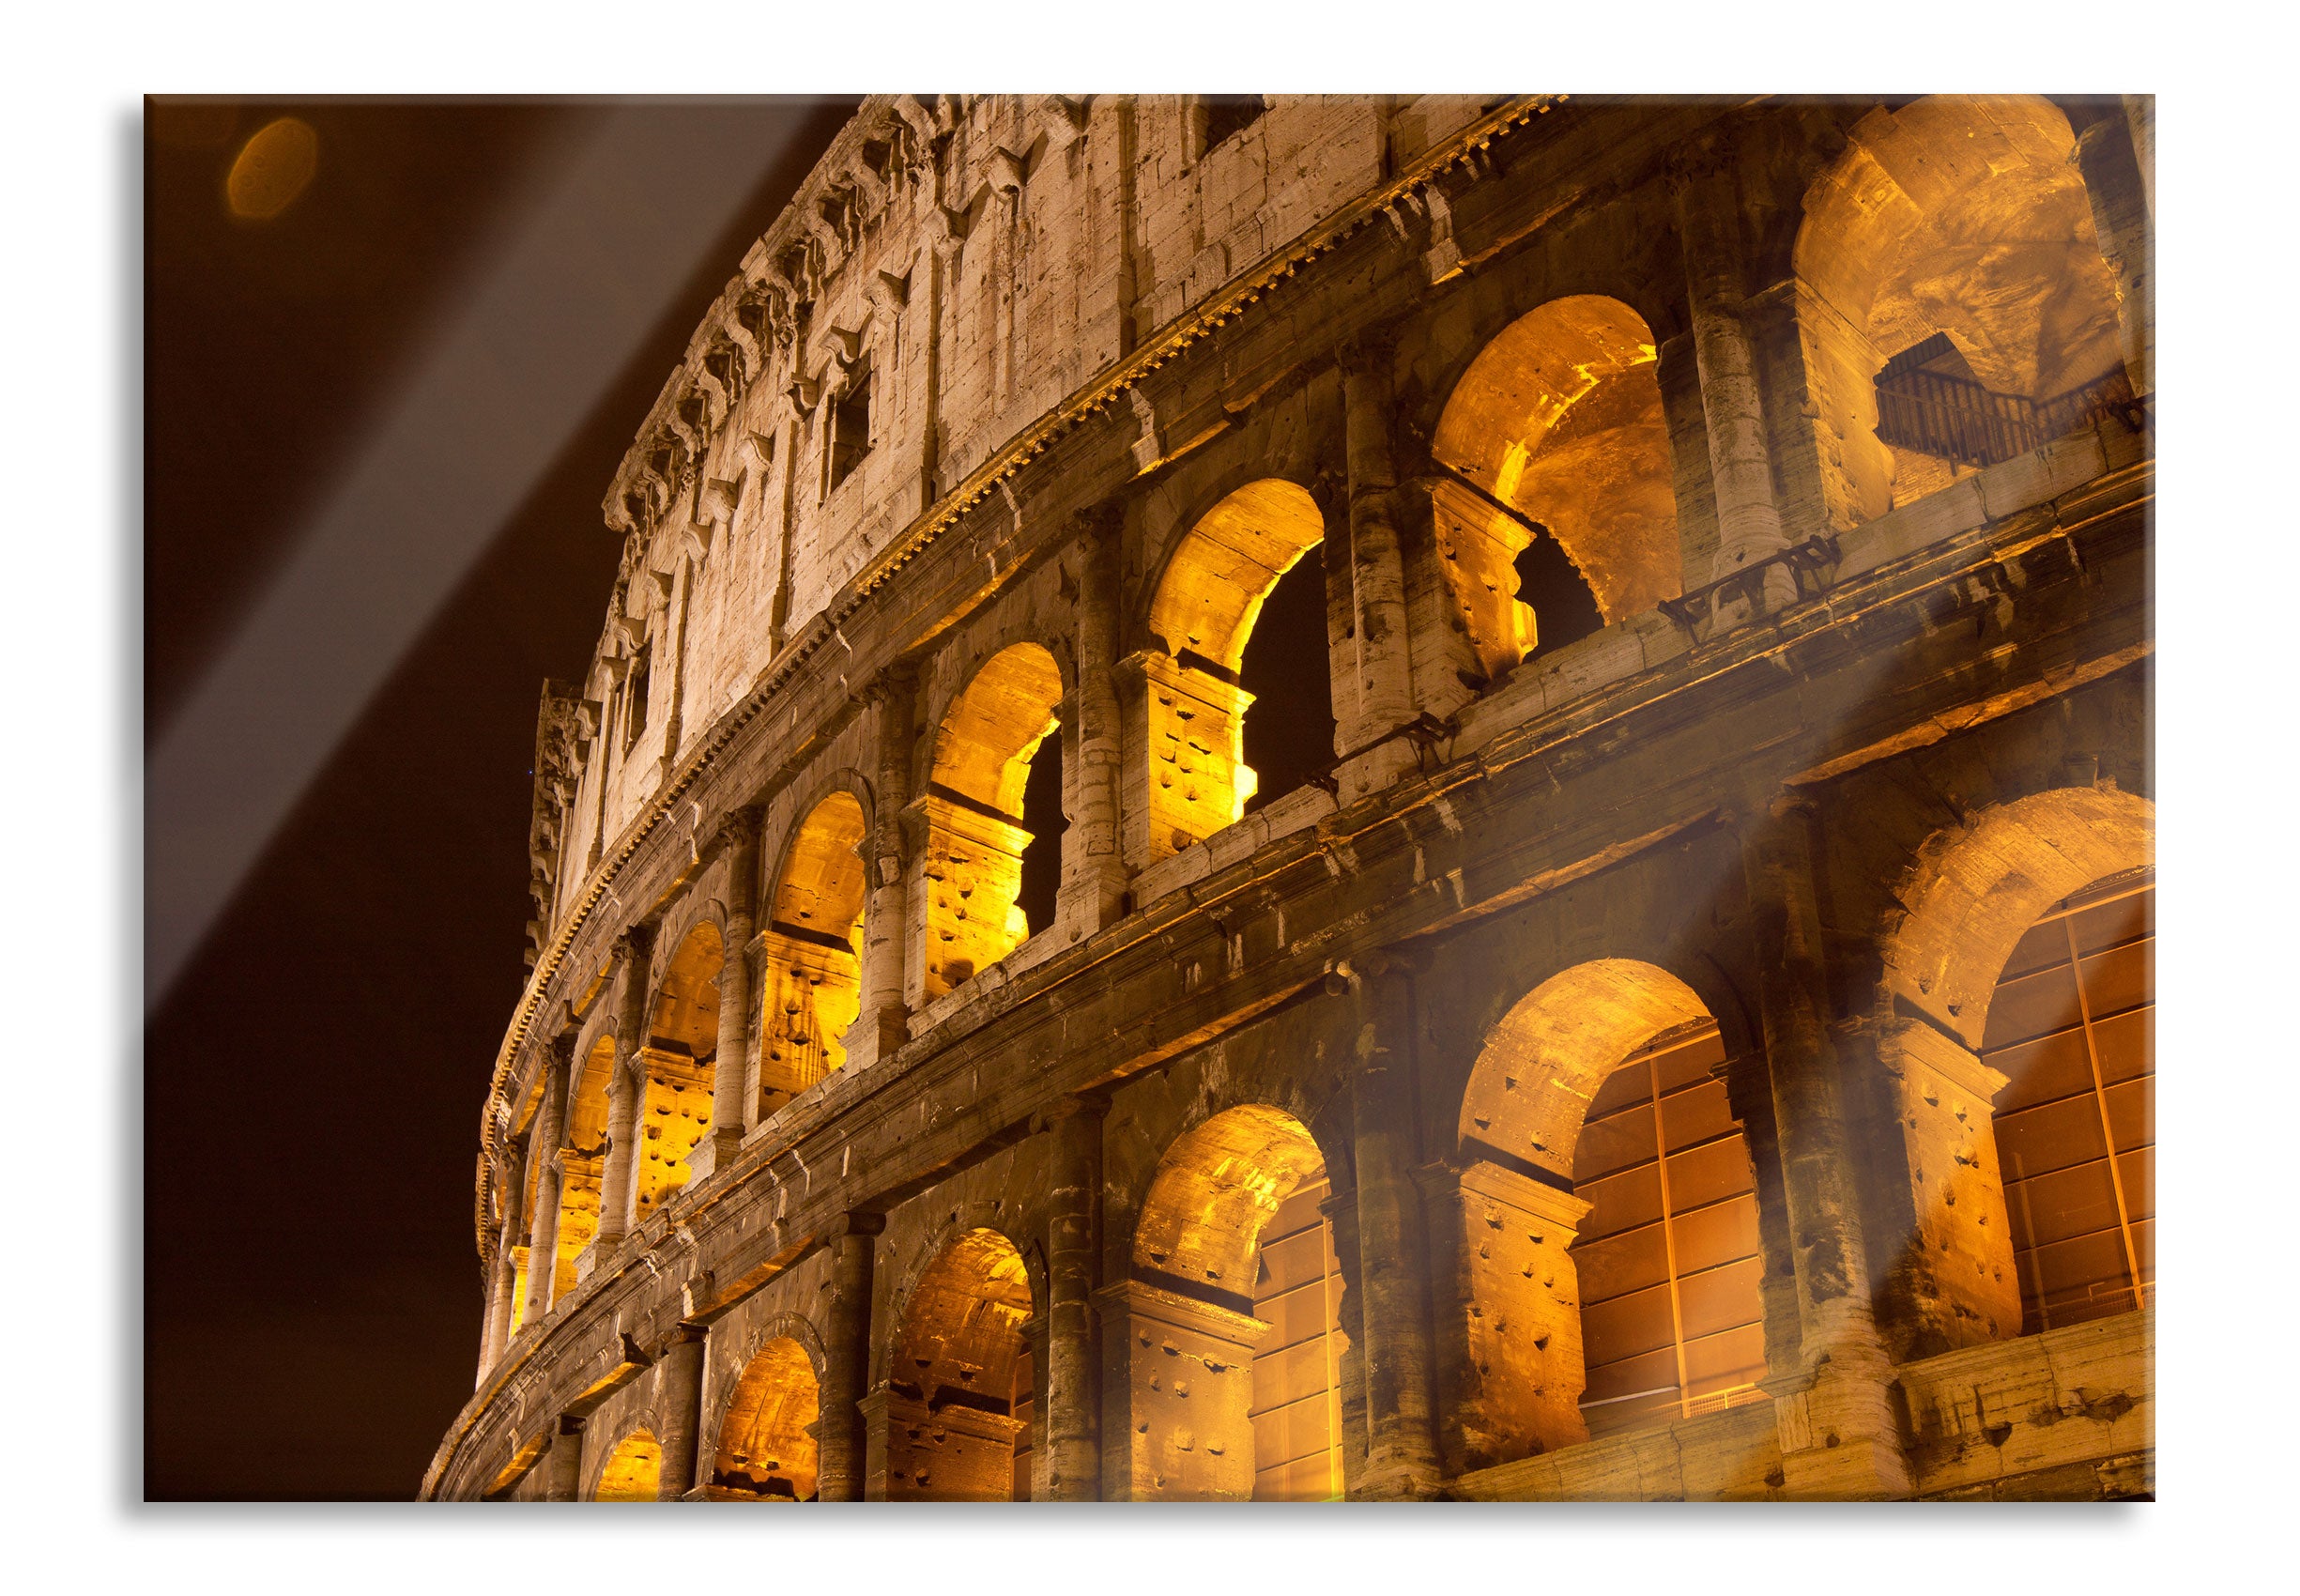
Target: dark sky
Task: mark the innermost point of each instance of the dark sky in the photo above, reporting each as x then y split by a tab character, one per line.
312	1083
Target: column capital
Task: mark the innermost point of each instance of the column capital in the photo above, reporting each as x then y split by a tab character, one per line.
1097	523
634	943
739	827
1367	353
898	682
858	1224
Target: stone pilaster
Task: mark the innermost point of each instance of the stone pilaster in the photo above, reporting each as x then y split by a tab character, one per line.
841	1441
731	1102
619	1193
1401	1453
563	1480
1073	1469
550	1134
1093	872
1740	460
882	1023
1383	700
680	1405
1839	1435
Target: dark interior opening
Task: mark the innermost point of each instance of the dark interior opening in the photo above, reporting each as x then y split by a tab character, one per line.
1043	818
1229	114
1564	609
1290	727
850	429
635	710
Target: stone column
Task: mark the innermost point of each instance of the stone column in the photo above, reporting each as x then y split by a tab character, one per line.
731	1101
618	1188
1740	459
502	1278
1094	870
562	1479
680	1405
841	1441
542	1225
1839	1435
1402	1452
882	1023
2124	222
1384	696
1073	1470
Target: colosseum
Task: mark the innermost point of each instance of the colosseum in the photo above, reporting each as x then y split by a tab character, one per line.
1299	798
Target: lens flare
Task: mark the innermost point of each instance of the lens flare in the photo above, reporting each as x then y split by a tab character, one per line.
273	167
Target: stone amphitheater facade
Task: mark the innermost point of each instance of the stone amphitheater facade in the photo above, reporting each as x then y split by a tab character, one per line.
1603	1078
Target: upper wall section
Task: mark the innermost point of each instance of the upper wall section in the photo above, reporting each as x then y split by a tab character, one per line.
949	272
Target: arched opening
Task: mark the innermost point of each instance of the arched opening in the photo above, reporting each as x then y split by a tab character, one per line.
680	1060
1954	306
958	1374
1286	672
633	1470
583	1163
970	879
1609	1216
1559	514
811	956
2018	977
2072	1028
767	1439
1207	607
1235	1303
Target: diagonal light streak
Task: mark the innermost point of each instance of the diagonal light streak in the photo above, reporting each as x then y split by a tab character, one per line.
545	331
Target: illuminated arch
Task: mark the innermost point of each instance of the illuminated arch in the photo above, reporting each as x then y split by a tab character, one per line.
1635	1298
957	1372
812	955
1986	1228
1975	891
680	1059
1559	417
1200	616
633	1470
766	1441
1956	231
970	873
1236	1283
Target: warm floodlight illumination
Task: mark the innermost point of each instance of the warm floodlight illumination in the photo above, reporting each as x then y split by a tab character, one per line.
273	169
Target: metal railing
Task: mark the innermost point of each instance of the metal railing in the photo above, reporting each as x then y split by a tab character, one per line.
1954	418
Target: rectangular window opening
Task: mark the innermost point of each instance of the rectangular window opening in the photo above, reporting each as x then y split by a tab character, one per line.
850	429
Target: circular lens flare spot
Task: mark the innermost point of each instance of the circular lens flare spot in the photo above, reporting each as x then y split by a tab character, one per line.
273	167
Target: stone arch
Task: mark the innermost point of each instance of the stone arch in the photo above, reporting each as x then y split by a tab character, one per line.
632	1470
1940	1229
810	959
955	1374
1232	1260
1560	418
1202	609
970	871
1608	1262
1973	890
766	1444
1953	302
679	1061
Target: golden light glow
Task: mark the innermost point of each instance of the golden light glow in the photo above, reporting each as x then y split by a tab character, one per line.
1560	417
767	1444
273	169
633	1469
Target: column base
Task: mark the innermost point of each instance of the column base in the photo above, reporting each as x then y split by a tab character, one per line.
1840	1440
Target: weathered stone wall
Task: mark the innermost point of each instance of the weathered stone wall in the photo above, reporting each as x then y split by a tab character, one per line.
1075	351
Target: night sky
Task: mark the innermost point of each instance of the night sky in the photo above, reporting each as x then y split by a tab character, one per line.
313	1082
